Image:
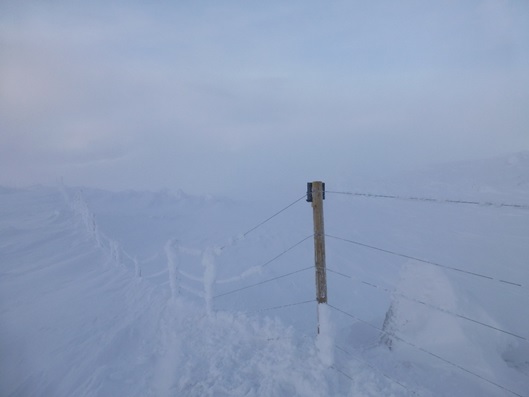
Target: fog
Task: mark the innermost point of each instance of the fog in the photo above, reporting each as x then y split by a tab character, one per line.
230	98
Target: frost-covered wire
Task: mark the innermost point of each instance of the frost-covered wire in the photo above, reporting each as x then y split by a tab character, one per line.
432	200
341	372
266	220
455	269
256	269
287	305
425	351
429	305
263	282
273	216
287	250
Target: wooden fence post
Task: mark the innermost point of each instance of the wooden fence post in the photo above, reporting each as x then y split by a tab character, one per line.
316	195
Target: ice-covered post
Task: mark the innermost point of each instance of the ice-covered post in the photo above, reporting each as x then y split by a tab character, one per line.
210	273
316	195
172	265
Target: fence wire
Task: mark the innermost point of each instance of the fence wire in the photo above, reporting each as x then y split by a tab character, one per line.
455	269
432	200
431	306
262	282
267	220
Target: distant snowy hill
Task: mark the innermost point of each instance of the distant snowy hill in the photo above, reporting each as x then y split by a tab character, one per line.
160	294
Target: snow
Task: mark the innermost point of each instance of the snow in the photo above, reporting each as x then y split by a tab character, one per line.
154	294
325	337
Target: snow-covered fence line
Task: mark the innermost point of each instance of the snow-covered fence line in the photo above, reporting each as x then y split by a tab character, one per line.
209	266
113	249
174	250
209	282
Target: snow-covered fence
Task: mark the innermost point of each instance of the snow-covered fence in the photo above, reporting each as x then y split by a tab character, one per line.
390	332
112	248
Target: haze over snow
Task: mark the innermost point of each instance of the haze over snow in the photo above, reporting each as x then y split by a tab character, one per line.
225	98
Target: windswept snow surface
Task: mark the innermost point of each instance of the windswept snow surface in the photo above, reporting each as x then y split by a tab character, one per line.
159	294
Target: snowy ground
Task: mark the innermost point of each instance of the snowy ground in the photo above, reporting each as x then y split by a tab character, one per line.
159	294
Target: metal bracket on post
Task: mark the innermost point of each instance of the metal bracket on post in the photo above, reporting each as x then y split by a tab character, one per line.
309	191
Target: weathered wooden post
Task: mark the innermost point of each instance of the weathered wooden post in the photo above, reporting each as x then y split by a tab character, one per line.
316	195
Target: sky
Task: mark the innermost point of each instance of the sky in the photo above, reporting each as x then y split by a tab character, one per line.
248	98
